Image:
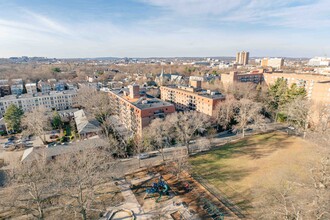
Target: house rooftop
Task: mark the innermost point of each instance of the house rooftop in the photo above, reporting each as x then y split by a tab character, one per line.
32	153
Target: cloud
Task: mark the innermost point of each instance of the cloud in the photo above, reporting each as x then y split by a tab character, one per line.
30	25
281	13
169	28
193	7
46	23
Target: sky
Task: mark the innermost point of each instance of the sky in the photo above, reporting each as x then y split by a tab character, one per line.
164	28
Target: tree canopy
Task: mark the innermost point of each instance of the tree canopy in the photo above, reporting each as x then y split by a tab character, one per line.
13	117
279	95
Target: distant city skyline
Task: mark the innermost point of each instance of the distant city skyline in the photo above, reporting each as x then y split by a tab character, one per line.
164	28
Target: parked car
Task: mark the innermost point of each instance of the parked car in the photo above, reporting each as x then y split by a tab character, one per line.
53	136
8	144
11	138
24	139
143	156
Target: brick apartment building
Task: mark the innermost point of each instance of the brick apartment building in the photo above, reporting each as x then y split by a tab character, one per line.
135	109
232	77
316	86
192	97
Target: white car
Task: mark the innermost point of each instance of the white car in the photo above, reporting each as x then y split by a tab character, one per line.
143	156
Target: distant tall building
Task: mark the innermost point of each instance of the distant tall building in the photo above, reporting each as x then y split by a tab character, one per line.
272	62
319	61
242	58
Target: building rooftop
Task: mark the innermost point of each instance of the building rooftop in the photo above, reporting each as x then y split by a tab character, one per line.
84	125
31	84
33	153
144	102
39	94
201	92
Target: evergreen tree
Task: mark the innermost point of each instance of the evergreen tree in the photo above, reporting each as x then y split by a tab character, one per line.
279	95
13	117
57	121
294	92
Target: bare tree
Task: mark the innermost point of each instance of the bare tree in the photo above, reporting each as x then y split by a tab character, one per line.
37	122
117	142
279	203
187	124
30	189
248	114
298	113
226	112
160	132
323	118
78	175
98	104
243	91
294	199
179	163
140	145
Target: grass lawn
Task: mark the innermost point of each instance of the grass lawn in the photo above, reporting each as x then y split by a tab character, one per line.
240	168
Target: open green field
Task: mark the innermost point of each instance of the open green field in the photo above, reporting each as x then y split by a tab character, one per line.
241	168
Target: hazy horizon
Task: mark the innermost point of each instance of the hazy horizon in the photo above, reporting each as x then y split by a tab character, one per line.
164	28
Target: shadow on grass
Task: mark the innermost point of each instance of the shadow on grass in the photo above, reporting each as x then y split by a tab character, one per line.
256	147
212	165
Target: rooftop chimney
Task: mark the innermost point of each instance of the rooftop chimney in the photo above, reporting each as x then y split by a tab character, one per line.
134	91
196	84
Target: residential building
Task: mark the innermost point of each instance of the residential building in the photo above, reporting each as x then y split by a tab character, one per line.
272	62
71	86
242	58
31	88
4	88
34	153
204	78
232	77
192	97
28	102
44	87
316	86
164	79
135	109
59	86
17	87
86	127
3	128
52	83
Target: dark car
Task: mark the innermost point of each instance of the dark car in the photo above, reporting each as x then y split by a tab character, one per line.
53	136
11	138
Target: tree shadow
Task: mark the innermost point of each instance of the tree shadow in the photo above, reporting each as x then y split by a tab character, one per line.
256	147
212	165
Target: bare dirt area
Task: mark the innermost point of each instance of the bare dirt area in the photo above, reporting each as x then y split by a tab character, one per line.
186	198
